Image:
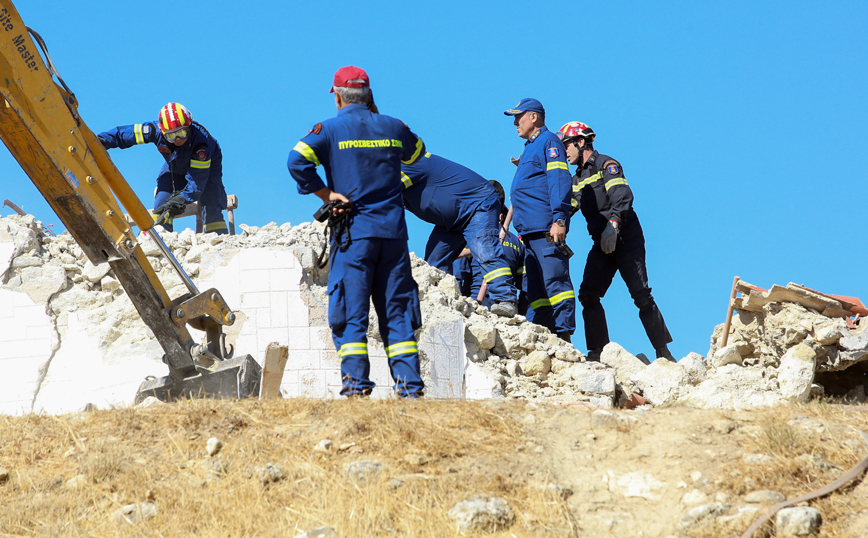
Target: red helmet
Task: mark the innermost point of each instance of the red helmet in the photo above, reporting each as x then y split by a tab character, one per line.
174	116
576	129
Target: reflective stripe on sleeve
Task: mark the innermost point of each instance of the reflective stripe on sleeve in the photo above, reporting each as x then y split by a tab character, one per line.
520	270
200	164
401	348
140	138
405	179
587	181
556	165
307	153
617	181
419	147
551	301
497	273
353	348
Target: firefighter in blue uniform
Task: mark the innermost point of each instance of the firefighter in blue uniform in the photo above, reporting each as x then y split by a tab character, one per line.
193	171
464	209
361	153
601	192
513	254
541	207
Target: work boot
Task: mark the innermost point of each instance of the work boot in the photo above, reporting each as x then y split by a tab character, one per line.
594	355
664	353
565	336
506	309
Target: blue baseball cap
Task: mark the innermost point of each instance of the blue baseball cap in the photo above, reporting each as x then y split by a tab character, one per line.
525	105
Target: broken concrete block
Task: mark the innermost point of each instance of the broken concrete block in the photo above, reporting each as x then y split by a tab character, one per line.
95	273
661	382
726	355
538	362
796	373
694	367
734	387
625	364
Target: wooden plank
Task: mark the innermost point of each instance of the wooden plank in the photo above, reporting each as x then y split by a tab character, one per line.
272	371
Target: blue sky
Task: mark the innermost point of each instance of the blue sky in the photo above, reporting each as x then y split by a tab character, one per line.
741	126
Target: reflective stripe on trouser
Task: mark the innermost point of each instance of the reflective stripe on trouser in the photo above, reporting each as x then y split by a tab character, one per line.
600	269
212	200
481	236
547	281
375	270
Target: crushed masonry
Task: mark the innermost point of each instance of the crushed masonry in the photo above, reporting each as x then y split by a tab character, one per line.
70	336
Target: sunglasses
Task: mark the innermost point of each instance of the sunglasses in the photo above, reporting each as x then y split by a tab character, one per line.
179	133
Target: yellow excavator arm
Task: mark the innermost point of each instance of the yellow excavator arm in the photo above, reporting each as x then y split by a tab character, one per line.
40	124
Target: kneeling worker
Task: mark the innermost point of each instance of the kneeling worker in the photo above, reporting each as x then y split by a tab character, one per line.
465	210
193	171
602	194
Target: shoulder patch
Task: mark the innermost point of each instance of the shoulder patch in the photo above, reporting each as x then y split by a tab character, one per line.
317	129
553	153
146	129
201	154
164	149
613	169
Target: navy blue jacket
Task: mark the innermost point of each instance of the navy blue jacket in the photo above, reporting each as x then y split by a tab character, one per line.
444	192
362	151
541	189
200	159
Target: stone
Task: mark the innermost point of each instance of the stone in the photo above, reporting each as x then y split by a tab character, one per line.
484	514
798	521
95	273
77	482
856	395
4	475
134	513
151	401
326	445
625	364
829	333
764	496
41	283
537	362
661	382
215	468
703	512
734	387
590	380
483	332
726	355
694	368
213	446
796	373
636	484
756	459
449	286
363	472
694	497
557	491
319	532
269	473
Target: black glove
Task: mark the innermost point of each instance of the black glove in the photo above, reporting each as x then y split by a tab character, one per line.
609	238
174	206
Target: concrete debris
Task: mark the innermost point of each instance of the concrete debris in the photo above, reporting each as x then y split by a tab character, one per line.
798	521
213	446
89	336
134	513
484	514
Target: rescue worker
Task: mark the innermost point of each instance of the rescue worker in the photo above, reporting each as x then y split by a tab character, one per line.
193	171
361	153
541	205
602	194
513	253
465	210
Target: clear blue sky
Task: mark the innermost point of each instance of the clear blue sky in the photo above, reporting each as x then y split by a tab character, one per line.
741	126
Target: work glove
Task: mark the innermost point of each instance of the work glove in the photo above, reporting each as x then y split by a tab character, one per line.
174	206
609	238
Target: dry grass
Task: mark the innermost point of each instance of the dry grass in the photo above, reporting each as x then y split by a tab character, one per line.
804	459
125	456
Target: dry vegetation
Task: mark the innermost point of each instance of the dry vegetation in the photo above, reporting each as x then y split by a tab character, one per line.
68	474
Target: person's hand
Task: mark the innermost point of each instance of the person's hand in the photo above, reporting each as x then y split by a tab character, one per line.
558	233
515	161
174	206
609	238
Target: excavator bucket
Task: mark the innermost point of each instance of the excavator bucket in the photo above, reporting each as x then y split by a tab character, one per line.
238	377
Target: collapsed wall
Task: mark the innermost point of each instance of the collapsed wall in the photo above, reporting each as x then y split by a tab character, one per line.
69	335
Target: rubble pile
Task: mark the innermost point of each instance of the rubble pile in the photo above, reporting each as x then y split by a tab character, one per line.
776	354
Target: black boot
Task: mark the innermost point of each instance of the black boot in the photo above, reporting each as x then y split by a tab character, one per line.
565	336
663	352
594	355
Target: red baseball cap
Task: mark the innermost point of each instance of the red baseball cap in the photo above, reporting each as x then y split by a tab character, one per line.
350	77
